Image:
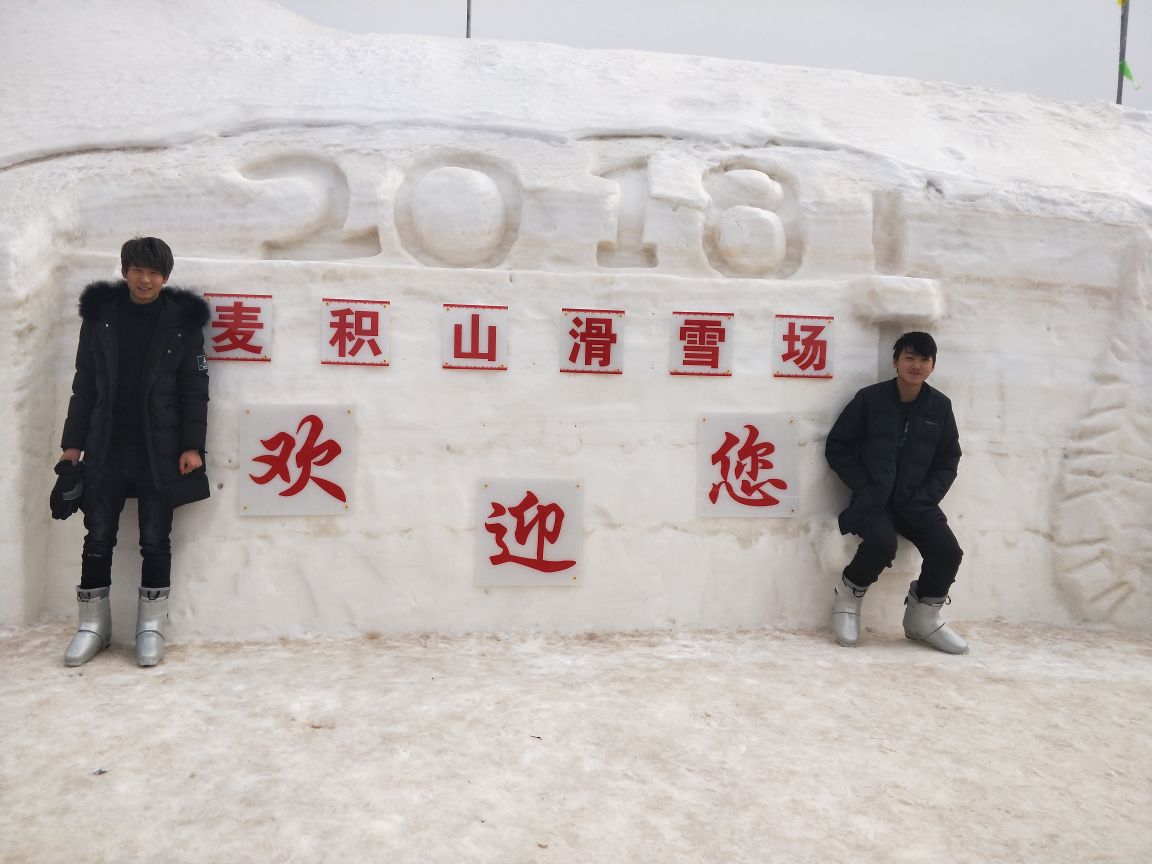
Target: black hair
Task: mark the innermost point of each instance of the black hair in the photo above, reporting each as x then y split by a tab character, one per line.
921	343
150	252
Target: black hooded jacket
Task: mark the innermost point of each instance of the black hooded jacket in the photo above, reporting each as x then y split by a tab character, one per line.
864	450
174	388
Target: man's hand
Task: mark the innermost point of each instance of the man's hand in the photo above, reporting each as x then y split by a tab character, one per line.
69	489
72	454
190	461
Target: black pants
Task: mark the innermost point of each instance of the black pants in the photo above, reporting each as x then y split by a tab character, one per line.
126	470
937	544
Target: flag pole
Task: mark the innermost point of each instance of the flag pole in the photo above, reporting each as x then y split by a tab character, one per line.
1123	50
468	24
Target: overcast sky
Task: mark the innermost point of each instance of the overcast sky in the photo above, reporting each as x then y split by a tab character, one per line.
1061	49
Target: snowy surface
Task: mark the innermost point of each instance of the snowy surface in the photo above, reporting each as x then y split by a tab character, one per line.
282	158
745	746
254	66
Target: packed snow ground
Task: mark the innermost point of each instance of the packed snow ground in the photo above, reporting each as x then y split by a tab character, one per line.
701	747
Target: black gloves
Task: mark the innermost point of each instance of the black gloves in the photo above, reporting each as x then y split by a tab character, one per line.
66	494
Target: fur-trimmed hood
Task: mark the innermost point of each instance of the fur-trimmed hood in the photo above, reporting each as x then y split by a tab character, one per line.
193	308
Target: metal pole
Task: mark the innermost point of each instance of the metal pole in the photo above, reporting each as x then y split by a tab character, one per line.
1123	50
468	26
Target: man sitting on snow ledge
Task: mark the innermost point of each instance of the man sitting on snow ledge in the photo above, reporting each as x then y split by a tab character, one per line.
896	447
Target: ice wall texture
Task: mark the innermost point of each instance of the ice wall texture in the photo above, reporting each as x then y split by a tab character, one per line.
281	158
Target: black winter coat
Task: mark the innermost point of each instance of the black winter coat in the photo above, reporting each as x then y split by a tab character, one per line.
864	450
174	388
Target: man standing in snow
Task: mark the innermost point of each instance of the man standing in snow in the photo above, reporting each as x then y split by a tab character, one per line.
138	415
896	447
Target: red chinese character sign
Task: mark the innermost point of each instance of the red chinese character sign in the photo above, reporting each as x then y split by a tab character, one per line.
354	333
297	460
530	532
240	328
590	341
747	465
475	337
701	343
803	347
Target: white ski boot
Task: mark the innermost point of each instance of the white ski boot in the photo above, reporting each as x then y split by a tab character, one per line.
846	612
95	630
151	621
922	623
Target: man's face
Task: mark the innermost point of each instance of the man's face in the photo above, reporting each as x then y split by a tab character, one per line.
144	284
911	368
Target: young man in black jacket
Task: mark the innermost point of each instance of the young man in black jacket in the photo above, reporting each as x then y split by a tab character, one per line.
896	447
138	415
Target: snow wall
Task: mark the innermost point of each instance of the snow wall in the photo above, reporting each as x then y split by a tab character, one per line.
284	159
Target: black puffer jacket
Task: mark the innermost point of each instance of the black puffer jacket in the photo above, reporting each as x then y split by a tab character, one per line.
174	388
864	450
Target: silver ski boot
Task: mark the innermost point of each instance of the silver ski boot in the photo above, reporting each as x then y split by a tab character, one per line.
95	630
922	623
846	612
151	621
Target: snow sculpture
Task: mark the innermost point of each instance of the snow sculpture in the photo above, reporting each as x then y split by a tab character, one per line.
281	159
457	216
1101	523
748	238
